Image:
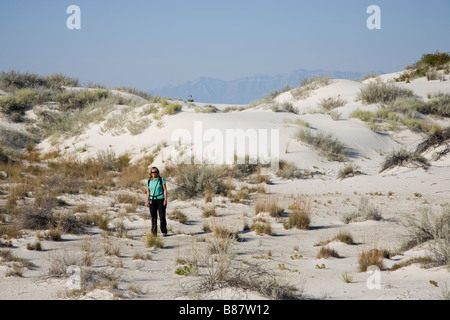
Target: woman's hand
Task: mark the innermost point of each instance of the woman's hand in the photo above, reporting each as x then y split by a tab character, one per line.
165	202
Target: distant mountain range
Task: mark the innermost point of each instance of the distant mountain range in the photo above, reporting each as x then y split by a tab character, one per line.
244	90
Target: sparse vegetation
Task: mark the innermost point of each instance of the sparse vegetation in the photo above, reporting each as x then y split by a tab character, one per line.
430	227
366	211
326	252
332	103
382	93
429	63
373	257
403	157
326	144
308	85
300	216
349	170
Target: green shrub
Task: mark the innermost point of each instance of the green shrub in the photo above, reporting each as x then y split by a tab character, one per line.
438	104
194	180
15	104
382	93
71	100
327	144
12	80
172	108
428	62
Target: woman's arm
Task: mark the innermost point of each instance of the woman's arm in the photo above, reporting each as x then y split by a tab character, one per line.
165	194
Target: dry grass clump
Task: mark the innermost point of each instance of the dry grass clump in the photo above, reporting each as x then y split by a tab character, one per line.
209	211
300	216
307	86
382	93
344	237
373	257
403	157
326	252
154	241
430	227
270	205
366	211
327	145
349	170
261	226
288	170
437	140
194	180
18	265
178	215
332	103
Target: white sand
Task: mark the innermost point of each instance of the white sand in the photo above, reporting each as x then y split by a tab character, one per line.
156	278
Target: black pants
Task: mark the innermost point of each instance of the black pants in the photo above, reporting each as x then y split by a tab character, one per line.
158	205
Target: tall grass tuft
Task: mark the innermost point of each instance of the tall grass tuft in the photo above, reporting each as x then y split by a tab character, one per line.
326	144
382	93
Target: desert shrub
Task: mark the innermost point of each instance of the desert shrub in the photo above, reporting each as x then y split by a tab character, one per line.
349	170
327	144
300	215
242	168
12	80
403	157
428	61
430	226
15	104
12	139
308	85
178	215
366	211
373	257
332	103
172	108
344	237
261	226
438	104
437	59
154	241
288	170
300	219
72	100
194	180
270	205
408	106
253	277
326	252
140	93
207	109
382	93
436	140
285	107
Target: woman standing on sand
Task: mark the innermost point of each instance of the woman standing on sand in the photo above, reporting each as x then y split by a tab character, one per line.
157	200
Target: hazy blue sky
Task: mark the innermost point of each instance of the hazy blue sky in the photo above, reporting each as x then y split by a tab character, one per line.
153	43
